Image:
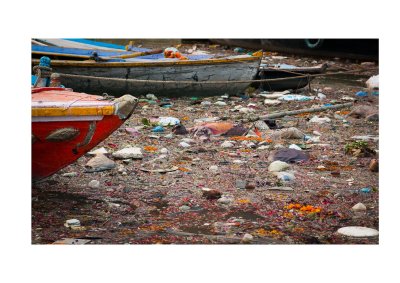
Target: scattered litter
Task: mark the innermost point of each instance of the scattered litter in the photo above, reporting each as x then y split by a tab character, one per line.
295	146
70	174
286	189
72	222
158	129
295	97
373	83
132	131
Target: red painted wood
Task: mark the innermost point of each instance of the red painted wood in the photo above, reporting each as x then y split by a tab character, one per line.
49	157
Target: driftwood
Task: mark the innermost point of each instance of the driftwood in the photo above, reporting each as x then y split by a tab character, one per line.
300	111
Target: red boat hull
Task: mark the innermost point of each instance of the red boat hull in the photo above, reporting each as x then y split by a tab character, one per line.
48	156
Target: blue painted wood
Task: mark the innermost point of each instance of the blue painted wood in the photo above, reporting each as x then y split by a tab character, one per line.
105	44
76	51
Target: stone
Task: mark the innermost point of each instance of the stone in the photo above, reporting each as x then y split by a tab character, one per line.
101	150
321	96
184	144
359	207
261	125
227	144
224	200
246	110
278	166
214	168
241	184
70	174
94	184
220	103
164	150
99	163
272	102
211	193
247	238
295	146
358	231
184	208
250	186
128	152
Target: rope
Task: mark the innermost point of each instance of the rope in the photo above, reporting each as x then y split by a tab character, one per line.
309	76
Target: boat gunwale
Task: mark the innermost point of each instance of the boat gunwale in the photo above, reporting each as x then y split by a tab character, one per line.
93	64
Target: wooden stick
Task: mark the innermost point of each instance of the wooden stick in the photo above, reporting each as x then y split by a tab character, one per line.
136	54
295	112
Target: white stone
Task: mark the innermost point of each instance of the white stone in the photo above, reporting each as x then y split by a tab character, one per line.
245	110
227	144
271	102
220	103
129	152
101	150
238	161
358	231
359	207
247	238
319	120
184	144
205	103
213	168
224	200
164	150
278	166
70	174
295	146
94	184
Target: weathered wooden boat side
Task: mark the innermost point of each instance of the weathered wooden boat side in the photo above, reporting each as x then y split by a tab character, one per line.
66	125
230	70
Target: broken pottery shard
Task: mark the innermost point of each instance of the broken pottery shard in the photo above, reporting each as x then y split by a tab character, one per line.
358	231
278	166
129	152
289	155
99	163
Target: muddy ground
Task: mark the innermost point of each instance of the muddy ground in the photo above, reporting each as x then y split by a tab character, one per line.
138	207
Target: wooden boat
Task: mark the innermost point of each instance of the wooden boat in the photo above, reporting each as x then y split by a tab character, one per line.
358	49
67	124
162	76
291	73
